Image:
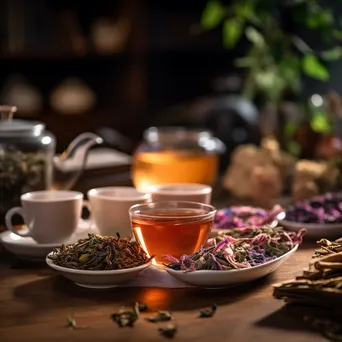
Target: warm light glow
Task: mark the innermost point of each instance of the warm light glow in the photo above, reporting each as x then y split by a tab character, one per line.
156	297
141	240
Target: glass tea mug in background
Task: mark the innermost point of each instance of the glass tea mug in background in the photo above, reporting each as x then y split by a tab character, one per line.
176	155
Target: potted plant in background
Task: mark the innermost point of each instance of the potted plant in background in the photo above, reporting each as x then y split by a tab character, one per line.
275	56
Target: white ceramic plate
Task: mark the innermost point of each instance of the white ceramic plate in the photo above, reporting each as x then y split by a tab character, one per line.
221	279
28	249
315	230
97	279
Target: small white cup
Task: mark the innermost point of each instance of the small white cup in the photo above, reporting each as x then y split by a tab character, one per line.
50	216
109	208
191	192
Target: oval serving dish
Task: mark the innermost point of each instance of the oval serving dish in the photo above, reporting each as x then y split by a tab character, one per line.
221	279
315	230
98	279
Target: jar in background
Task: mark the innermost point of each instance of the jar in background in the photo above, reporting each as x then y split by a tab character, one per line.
176	155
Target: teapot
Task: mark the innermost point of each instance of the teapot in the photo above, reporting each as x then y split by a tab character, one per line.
28	161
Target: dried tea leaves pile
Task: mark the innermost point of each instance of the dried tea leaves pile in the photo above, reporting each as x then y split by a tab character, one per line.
100	253
240	248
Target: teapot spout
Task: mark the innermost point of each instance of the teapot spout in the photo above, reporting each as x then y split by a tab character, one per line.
69	166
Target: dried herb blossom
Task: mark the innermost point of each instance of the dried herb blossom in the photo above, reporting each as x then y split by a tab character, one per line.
100	253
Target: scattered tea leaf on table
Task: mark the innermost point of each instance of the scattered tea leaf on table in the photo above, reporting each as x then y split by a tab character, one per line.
208	312
72	324
126	318
160	316
169	331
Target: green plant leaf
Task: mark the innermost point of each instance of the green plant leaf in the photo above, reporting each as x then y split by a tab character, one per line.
320	18
312	67
332	54
245	9
320	123
231	32
212	14
337	34
254	36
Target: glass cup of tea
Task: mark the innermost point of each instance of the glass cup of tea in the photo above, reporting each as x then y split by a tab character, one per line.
171	228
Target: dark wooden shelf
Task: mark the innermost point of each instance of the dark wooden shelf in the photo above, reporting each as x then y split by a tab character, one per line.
55	57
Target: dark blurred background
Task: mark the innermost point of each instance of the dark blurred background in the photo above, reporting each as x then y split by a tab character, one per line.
155	60
136	63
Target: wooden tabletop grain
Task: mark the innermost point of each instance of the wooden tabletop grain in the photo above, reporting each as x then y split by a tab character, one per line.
35	303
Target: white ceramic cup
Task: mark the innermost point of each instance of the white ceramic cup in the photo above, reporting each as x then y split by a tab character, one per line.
109	208
50	216
191	192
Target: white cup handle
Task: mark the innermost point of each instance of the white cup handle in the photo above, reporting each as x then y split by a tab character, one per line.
86	204
8	219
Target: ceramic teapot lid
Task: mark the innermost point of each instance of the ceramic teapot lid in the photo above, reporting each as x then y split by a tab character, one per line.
9	126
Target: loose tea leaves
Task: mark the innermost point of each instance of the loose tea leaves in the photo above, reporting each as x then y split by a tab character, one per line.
169	331
125	317
71	323
100	253
208	312
240	248
160	316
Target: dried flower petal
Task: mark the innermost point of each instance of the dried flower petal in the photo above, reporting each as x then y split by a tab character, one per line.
242	248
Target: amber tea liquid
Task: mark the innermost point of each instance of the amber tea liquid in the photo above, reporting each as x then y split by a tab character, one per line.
179	166
171	231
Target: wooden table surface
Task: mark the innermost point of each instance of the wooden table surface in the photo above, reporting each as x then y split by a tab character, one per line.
35	302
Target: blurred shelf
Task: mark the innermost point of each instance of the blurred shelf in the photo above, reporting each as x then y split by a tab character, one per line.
55	57
67	127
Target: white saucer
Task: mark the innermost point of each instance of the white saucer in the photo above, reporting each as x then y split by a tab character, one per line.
98	279
28	249
221	279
